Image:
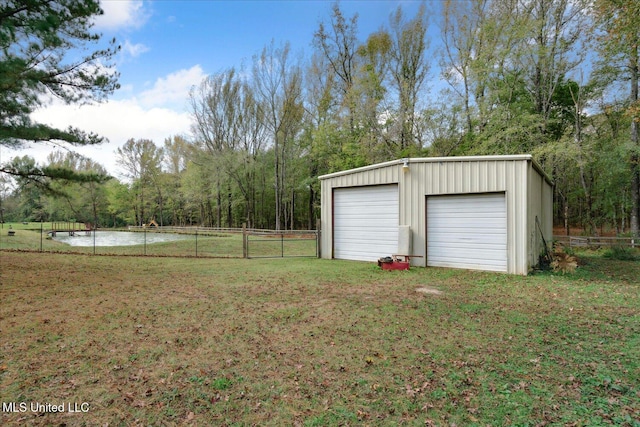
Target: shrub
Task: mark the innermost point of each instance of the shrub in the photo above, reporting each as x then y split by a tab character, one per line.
622	253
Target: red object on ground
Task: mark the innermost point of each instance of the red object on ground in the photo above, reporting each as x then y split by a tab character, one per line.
395	265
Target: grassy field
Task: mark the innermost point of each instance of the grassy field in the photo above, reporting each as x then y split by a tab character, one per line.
167	341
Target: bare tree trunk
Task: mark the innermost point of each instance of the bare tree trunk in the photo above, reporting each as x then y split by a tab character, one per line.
219	205
293	204
229	207
277	182
635	193
635	158
161	206
566	215
310	218
142	205
577	103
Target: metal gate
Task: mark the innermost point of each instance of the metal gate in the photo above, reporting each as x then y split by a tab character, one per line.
281	244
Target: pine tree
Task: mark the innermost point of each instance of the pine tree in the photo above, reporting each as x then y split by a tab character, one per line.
41	55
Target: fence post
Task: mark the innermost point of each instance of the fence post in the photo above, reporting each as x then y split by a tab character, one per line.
245	252
318	236
196	242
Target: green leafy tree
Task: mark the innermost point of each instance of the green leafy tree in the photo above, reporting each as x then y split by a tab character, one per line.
30	195
337	43
278	89
142	160
229	127
552	46
409	71
198	183
177	151
441	128
477	37
619	46
119	198
368	95
83	201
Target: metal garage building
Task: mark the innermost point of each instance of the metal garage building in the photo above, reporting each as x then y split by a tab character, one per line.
482	213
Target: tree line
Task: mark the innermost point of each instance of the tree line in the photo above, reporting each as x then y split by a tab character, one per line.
554	78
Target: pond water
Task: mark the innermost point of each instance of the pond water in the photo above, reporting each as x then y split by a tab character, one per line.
117	238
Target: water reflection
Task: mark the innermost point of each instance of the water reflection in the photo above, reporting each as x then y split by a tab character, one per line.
117	238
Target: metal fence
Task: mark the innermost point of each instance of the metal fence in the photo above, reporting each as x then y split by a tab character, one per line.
160	241
281	244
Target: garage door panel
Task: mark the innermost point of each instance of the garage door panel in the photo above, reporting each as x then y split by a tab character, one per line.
379	219
484	212
383	207
492	225
444	245
467	231
481	265
365	222
468	252
367	241
464	257
461	231
489	243
372	236
368	233
471	215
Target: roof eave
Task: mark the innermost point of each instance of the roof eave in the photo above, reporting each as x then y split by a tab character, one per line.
527	157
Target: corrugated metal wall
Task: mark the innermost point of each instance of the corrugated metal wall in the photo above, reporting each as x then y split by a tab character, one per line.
540	214
528	194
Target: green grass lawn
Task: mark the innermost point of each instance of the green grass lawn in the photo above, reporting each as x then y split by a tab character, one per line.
169	341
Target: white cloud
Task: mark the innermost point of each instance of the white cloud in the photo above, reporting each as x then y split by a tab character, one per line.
174	88
134	50
122	14
155	114
118	121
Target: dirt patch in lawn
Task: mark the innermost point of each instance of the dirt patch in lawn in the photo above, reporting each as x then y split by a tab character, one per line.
428	291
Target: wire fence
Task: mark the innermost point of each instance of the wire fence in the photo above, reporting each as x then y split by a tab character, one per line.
281	244
159	241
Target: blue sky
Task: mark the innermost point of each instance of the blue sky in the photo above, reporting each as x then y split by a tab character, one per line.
221	34
168	46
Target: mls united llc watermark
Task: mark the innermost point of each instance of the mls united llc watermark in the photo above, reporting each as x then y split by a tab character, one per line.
43	408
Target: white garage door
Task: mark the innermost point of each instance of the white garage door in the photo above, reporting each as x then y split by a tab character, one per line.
467	231
365	222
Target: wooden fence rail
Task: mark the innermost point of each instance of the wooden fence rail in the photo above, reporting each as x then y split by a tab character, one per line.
596	241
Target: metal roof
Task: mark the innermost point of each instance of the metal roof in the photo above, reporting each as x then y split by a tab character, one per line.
515	157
